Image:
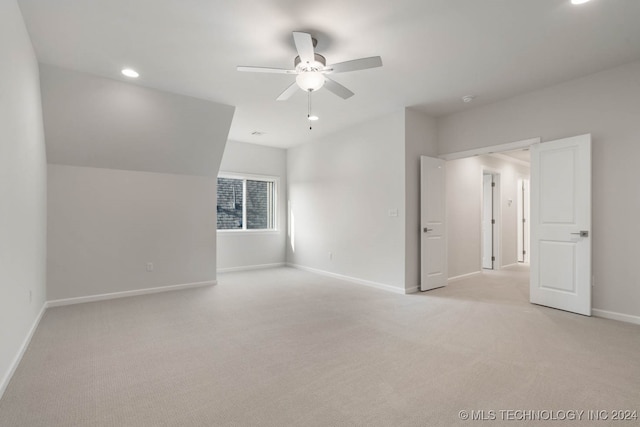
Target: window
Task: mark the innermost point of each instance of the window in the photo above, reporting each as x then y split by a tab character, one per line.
246	202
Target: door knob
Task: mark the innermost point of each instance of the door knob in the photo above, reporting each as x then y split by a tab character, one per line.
582	233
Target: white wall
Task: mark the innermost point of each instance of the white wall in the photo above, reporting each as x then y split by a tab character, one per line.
238	250
132	180
23	209
464	198
106	224
607	105
341	189
420	140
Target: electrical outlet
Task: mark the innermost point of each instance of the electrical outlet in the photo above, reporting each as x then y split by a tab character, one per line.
149	266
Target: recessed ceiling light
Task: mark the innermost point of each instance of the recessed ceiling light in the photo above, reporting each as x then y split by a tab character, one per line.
313	118
130	73
578	1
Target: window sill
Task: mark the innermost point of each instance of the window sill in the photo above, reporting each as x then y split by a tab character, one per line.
230	232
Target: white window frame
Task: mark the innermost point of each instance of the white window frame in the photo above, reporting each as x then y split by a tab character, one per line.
252	177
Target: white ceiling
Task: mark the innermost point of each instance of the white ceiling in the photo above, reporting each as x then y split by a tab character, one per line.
434	51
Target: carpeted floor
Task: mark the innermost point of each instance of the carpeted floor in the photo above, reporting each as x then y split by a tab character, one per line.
284	347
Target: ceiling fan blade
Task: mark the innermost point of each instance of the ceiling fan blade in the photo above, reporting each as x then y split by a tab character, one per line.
356	64
337	88
288	92
265	70
304	46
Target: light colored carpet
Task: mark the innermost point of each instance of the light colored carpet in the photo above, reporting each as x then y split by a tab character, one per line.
284	347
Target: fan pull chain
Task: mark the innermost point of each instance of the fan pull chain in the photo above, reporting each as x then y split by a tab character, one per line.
309	110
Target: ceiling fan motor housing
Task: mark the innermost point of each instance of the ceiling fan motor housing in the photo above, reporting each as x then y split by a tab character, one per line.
317	65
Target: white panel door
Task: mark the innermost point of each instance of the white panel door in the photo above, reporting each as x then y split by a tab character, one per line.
527	221
523	221
561	224
433	243
487	221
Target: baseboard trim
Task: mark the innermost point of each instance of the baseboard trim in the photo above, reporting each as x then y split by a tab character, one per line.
251	267
629	318
412	290
509	265
464	276
114	295
23	348
355	280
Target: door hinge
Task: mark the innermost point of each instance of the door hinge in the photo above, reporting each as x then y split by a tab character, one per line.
493	184
524	252
493	258
493	221
524	220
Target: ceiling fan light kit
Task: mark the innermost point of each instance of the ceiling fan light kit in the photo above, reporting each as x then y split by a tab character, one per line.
310	80
311	70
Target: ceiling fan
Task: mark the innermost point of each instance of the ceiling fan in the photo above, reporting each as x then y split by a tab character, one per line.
311	69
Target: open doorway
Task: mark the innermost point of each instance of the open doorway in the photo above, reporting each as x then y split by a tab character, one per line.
560	223
485	208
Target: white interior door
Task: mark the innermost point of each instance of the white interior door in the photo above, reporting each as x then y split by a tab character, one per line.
433	243
561	224
523	221
527	221
487	221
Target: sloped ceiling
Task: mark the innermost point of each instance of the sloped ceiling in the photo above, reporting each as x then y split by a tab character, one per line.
434	51
97	122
